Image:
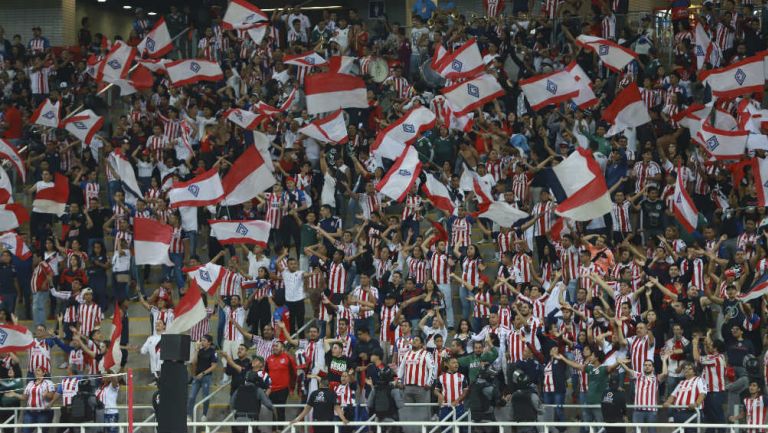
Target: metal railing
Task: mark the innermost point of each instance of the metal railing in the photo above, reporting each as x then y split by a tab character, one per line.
205	399
309	323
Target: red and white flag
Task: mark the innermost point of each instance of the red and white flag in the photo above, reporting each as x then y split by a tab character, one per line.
502	213
760	173
244	118
52	199
15	338
482	191
268	110
12	216
328	92
110	363
140	79
248	177
123	169
84	125
228	232
438	194
16	245
155	65
626	111
683	206
722	144
741	78
329	129
586	97
468	95
437	59
341	64
6	188
310	58
47	114
241	14
549	89
190	71
188	312
158	41
466	61
151	241
391	141
614	56
257	32
7	150
208	276
706	51
401	176
116	63
756	292
202	190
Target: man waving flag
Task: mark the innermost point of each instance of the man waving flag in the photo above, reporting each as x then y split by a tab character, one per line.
683	206
401	176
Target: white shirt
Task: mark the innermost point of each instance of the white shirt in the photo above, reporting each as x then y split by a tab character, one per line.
294	286
121	263
149	348
255	263
39	186
110	399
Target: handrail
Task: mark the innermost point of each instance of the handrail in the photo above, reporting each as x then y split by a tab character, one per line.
450	415
303	327
205	399
226	418
149	418
373	417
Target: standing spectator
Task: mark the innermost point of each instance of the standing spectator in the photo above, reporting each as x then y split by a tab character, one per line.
293	279
39	394
324	406
688	396
203	366
282	370
416	374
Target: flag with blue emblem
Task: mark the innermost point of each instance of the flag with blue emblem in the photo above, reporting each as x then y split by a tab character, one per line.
401	176
252	232
203	190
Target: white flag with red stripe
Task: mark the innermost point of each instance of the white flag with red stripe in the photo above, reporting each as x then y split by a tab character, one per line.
54	198
310	58
549	89
468	95
502	213
188	312
208	276
151	242
248	177
202	190
760	173
158	41
257	32
438	194
12	216
16	245
48	113
391	141
741	78
465	61
268	110
683	206
84	125
626	111
123	169
328	92
401	176
613	55
329	129
15	338
190	71
586	97
116	63
341	64
705	50
228	232
7	150
155	65
244	118
241	14
110	362
6	188
722	144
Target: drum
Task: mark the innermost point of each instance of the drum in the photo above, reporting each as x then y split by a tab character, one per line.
430	76
378	69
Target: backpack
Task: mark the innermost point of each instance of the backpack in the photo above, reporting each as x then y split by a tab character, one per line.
478	401
83	407
246	398
382	402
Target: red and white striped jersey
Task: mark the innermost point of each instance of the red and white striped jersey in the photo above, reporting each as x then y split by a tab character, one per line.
36	393
548	384
569	261
643	172
544	212
549	8
177	244
646	391
523	264
494	169
640	350
745	239
470	271
38	80
506	241
40	275
461	232
440	268
399	85
263	346
165	315
537	305
39	355
696	268
608	27
585	282
650	97
724	36
274	209
516	344
756	410
402	346
345	395
452	386
714	372
687	392
368	296
68	390
236	315
337	278
91	190
387	317
412	208
582	374
481	310
203	327
417	269
520	186
505	317
417	368
90	317
231	284
156	144
620	217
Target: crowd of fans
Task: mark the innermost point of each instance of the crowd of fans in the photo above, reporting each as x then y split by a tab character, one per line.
568	311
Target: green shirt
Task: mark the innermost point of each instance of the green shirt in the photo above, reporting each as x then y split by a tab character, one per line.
473	361
308	236
603	144
444	148
598	381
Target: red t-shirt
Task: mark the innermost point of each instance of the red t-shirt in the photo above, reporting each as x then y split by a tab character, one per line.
13	119
282	371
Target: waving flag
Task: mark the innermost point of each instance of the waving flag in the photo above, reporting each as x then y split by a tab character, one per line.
47	114
614	56
151	241
140	79
401	176
439	57
310	58
502	213
438	194
6	189
228	232
52	199
155	65
391	141
271	111
759	289
188	312
7	150
722	144
123	170
110	362
241	14
549	89
15	338
468	95
248	177
158	41
202	190
706	51
684	208
586	97
760	173
465	61
626	111
15	244
740	78
190	71
579	186
84	125
328	92
329	129
116	63
341	64
207	277
244	118
257	32
12	216
482	190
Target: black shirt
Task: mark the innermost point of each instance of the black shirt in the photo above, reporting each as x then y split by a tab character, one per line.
205	358
653	214
322	401
7	276
238	378
614	406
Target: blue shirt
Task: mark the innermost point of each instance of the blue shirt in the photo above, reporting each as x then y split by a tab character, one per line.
424	8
